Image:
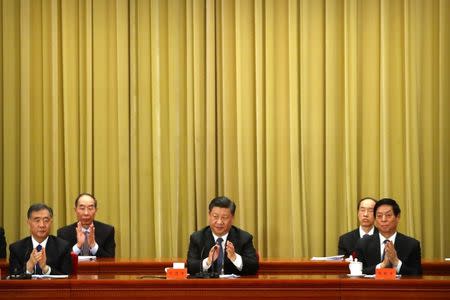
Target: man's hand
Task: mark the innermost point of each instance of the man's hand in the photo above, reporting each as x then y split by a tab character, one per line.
213	254
391	254
91	238
230	251
32	261
42	261
80	235
37	257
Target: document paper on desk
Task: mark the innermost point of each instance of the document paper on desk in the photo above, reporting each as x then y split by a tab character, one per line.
328	258
87	258
49	276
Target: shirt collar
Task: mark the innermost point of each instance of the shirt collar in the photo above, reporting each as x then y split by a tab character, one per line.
362	232
391	238
224	237
36	243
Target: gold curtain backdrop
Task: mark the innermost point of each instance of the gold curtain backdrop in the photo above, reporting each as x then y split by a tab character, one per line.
293	109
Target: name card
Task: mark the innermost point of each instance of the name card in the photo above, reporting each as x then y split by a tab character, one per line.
385	273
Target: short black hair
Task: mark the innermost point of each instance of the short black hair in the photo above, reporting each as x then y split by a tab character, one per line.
85	194
365	198
38	207
223	202
387	201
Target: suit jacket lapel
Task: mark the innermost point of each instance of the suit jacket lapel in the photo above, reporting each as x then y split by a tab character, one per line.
232	237
29	249
398	245
374	247
209	242
356	236
50	249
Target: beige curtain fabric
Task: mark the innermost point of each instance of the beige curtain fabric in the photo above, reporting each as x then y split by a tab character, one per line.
293	109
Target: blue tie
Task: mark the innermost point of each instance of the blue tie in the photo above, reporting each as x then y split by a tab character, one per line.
38	268
220	258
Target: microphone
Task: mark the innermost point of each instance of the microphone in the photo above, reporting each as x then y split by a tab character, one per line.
22	274
203	274
201	260
200	273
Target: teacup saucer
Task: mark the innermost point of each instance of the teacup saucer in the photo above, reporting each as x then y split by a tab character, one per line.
356	275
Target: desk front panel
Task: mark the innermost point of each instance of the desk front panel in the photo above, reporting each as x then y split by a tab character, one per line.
272	266
256	287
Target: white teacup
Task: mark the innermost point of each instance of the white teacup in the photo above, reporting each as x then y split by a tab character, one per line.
178	265
355	267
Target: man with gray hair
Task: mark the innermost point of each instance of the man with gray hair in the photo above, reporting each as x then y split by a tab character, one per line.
40	253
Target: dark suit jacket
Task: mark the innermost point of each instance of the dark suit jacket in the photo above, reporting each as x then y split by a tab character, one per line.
202	241
104	236
348	241
57	250
408	251
2	243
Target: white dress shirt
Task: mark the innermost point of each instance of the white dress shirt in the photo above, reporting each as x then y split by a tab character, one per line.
237	262
43	244
93	250
382	245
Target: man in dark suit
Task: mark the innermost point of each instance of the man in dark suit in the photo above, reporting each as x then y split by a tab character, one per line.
347	241
221	247
389	248
2	243
40	253
88	236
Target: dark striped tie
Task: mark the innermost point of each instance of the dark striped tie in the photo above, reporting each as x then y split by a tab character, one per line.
220	258
85	250
37	267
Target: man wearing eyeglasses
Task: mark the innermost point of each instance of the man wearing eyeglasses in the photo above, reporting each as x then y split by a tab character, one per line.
88	236
389	248
347	241
40	253
221	247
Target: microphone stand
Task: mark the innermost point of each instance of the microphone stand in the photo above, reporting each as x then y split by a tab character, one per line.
202	274
22	274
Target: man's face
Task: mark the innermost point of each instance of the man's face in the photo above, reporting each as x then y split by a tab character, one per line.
386	220
85	210
220	220
40	223
365	213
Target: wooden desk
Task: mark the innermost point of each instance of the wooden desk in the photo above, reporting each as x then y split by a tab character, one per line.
257	287
272	266
125	266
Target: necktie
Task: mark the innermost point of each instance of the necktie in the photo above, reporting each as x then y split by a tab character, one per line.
85	251
220	257
384	249
37	267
